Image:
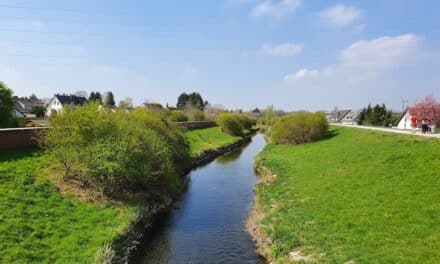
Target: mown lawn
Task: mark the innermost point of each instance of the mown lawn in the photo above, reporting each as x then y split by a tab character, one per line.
362	196
208	138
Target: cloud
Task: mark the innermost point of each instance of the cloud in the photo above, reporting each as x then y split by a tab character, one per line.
364	60
275	10
286	49
339	15
381	53
301	74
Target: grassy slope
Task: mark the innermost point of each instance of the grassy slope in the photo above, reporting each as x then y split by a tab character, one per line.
361	195
38	224
208	138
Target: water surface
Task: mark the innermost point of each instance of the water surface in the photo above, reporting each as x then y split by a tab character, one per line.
207	225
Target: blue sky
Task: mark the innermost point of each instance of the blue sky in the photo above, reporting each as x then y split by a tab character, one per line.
294	54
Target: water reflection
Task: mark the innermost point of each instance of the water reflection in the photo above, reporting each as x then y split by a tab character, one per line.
207	225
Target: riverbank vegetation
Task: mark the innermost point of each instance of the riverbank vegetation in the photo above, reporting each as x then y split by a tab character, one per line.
100	170
299	128
353	197
235	124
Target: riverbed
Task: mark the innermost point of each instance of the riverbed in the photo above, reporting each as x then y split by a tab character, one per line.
207	224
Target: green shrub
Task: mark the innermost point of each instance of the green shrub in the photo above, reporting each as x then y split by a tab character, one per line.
177	116
234	124
299	128
119	151
197	115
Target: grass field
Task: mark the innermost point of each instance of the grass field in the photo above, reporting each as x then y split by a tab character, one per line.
208	138
38	224
361	196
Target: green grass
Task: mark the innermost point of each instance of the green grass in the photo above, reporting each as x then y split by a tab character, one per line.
38	224
208	138
365	196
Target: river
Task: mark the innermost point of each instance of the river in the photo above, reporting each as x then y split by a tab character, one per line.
207	224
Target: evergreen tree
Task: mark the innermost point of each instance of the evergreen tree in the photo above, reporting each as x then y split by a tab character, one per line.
6	107
109	100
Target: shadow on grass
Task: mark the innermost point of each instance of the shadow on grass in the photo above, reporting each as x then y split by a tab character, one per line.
20	153
331	133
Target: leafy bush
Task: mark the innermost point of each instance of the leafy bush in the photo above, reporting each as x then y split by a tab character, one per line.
119	151
177	116
196	115
234	124
299	128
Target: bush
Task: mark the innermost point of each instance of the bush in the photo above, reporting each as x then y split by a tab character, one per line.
197	115
299	128
177	116
234	124
121	151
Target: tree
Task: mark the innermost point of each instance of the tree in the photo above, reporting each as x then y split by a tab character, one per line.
6	107
268	115
190	101
378	115
126	103
95	96
109	100
428	108
38	110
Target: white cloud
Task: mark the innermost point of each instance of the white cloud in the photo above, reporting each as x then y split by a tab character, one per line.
380	53
286	49
276	10
301	74
340	15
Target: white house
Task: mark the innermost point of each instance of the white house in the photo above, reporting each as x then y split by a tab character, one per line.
352	118
58	101
405	121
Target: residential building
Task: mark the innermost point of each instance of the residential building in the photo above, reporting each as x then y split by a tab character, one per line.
58	101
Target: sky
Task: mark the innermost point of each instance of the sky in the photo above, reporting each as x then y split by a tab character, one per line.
293	54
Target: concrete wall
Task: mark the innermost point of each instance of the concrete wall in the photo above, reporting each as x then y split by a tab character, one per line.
11	138
18	137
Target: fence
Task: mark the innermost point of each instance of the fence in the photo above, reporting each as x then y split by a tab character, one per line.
11	138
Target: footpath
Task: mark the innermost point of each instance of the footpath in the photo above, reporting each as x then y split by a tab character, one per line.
393	130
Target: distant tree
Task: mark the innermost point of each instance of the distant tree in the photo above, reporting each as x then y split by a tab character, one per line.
95	96
190	101
109	100
428	108
268	115
39	111
256	110
378	115
6	107
126	103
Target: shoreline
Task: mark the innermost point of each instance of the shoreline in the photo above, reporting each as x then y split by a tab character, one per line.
125	246
262	242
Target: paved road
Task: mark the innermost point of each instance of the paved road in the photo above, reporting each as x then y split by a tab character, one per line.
391	130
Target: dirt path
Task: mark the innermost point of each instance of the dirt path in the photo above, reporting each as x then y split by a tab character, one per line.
392	130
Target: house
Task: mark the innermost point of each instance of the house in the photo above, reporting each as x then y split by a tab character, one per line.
352	118
58	101
336	115
23	106
405	121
